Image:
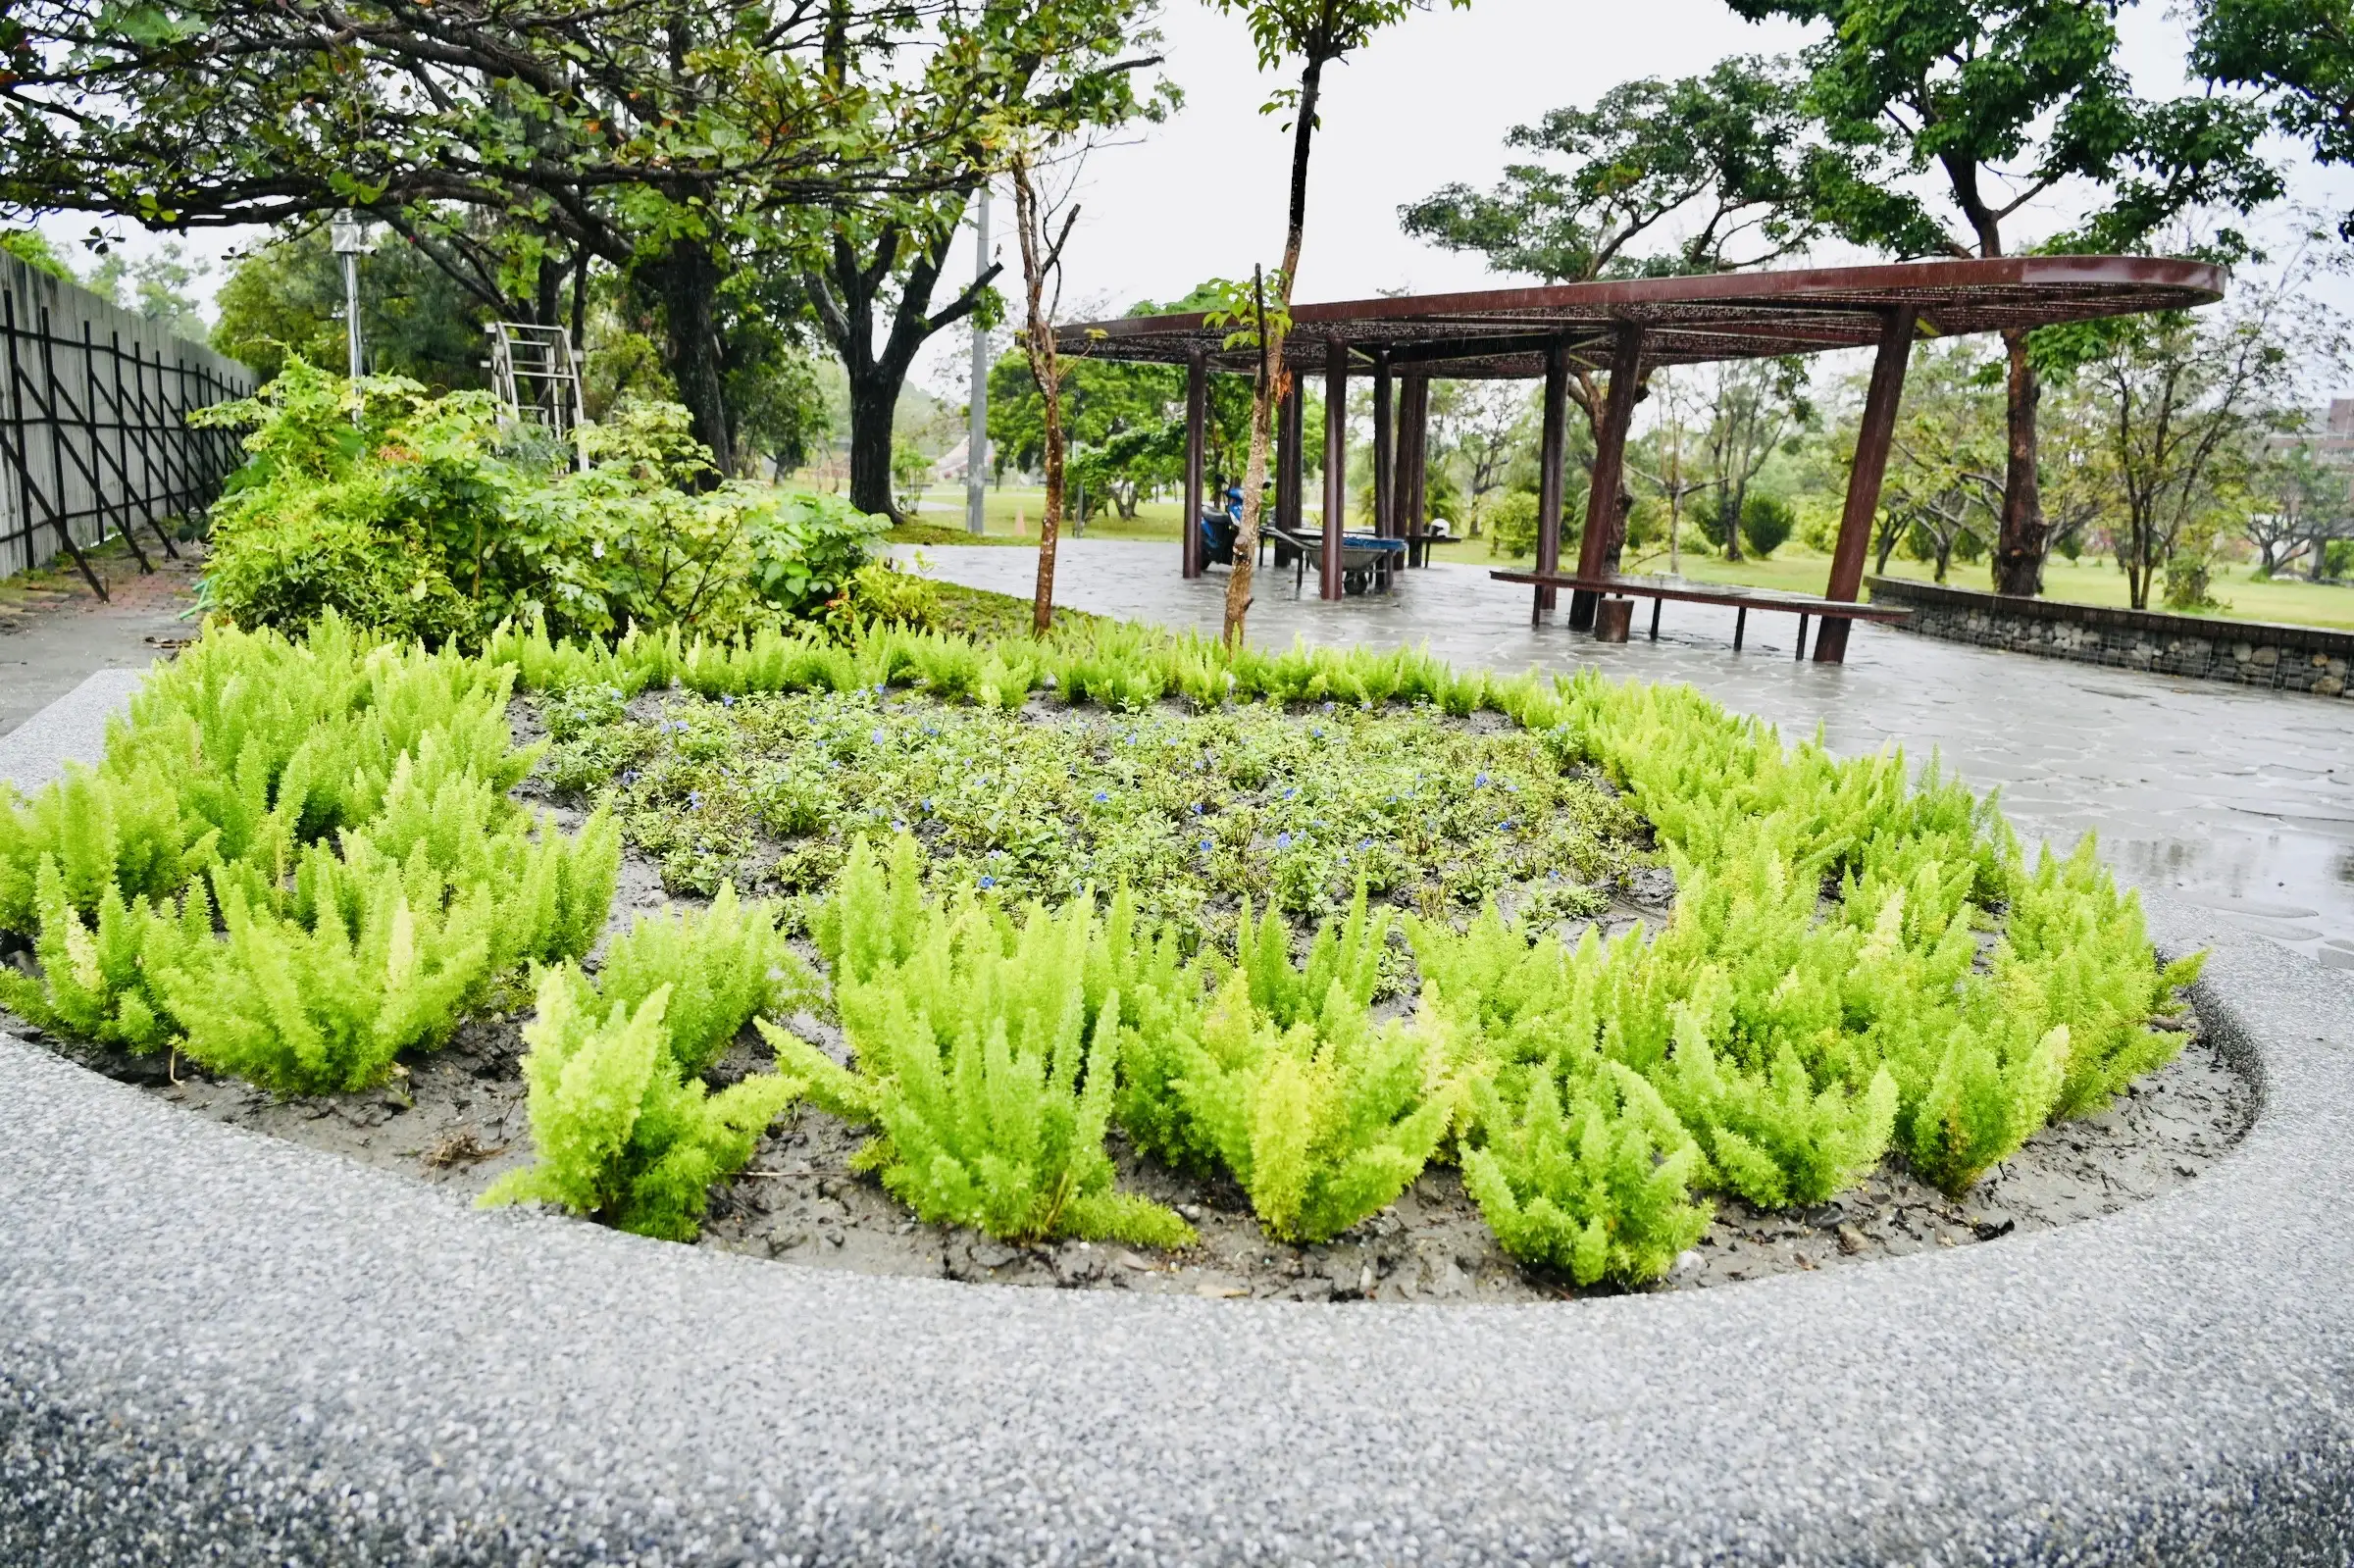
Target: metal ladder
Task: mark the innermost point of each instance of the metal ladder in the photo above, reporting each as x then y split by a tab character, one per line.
535	374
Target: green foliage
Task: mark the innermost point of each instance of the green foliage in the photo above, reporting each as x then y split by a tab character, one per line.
623	1131
424	519
295	861
723	966
975	1060
1589	1174
1323	1123
1766	522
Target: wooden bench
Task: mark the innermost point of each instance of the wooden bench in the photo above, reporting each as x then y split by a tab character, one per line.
1741	599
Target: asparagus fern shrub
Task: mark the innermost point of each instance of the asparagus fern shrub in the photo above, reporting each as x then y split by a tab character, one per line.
622	1134
974	1062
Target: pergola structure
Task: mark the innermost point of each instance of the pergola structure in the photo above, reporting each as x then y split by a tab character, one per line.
1626	327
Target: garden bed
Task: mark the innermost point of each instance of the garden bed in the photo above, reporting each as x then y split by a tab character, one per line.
1865	1001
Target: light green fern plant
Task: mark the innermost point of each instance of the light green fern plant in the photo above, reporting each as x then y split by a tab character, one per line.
621	1133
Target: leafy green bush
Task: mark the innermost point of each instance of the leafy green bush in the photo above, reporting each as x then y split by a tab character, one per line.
422	518
622	1133
295	861
723	966
1590	1174
1323	1123
1767	523
975	1060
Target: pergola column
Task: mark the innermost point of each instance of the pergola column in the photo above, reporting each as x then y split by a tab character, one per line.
1414	448
1196	401
1609	465
1289	459
1385	447
1872	439
1549	471
1336	465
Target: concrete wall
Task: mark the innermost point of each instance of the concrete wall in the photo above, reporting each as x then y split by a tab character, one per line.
93	406
2256	653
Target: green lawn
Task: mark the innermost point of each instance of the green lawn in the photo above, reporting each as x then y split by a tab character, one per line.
2085	582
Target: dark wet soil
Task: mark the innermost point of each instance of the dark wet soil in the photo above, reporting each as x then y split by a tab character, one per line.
456	1119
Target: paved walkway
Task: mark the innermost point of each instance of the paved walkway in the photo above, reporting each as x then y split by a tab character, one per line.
2236	800
54	631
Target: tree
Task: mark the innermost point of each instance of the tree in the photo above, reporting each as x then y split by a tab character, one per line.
1943	493
515	141
1759	405
1658	178
1481	425
286	297
1316	32
2300	53
1946	119
2302	501
1663	457
2183	402
154	287
1023	73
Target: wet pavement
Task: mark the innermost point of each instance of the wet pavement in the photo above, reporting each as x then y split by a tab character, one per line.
2239	801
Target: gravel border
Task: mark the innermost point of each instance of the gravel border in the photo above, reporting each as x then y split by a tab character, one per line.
215	1345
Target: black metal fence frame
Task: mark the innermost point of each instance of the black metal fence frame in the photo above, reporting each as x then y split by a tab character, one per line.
128	414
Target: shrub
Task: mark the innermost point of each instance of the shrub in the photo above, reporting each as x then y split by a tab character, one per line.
975	1062
1590	1174
1323	1123
426	519
622	1135
1767	523
722	967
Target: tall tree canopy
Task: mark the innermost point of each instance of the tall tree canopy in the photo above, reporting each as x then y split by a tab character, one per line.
1948	118
662	139
2298	52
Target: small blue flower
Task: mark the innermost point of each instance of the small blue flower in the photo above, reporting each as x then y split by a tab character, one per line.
1101	798
989	882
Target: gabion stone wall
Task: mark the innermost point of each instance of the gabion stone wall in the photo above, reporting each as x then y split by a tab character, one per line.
2257	653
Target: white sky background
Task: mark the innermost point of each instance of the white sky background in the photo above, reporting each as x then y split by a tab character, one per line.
1428	102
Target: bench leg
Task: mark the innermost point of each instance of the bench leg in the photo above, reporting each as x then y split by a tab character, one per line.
1740	625
1655	619
1802	638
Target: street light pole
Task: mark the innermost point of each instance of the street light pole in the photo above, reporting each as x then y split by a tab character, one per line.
976	441
345	229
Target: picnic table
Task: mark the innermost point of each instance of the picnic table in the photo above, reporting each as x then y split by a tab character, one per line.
1742	600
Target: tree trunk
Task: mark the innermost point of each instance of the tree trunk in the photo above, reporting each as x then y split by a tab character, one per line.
2024	540
688	279
1273	381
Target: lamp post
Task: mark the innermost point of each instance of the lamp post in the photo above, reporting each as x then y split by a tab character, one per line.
976	441
346	231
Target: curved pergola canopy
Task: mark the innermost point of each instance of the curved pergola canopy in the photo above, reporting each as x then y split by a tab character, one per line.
1506	332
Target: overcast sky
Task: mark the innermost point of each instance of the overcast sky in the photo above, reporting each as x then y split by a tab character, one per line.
1427	103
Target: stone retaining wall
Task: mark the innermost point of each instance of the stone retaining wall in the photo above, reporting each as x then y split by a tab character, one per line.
2256	653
